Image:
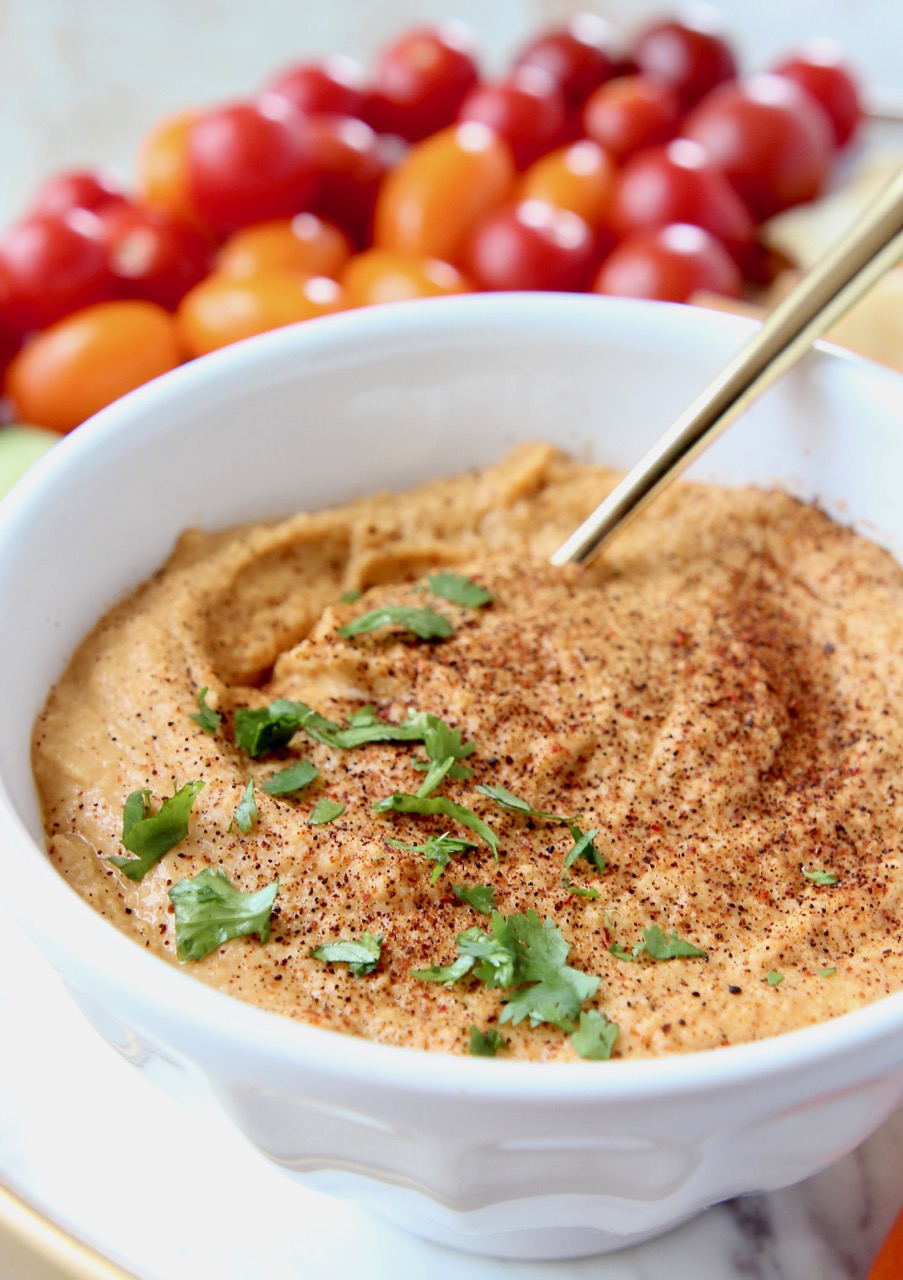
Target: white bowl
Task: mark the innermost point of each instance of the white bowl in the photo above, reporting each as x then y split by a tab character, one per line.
505	1158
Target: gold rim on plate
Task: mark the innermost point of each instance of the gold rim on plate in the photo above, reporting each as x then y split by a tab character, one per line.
32	1247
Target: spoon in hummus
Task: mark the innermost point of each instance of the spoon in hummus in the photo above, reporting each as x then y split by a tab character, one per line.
872	246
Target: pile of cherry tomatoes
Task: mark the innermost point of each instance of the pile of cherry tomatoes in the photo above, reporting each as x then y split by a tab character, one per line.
589	165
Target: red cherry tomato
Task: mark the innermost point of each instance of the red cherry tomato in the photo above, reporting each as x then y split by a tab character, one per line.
631	112
350	160
89	359
250	162
821	69
531	245
421	79
678	182
334	86
440	190
579	56
527	110
692	54
221	309
53	264
153	255
382	275
92	189
769	137
304	243
669	264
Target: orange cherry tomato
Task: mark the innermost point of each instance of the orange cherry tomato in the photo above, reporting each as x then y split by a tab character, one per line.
579	177
162	177
888	1265
385	275
90	358
303	243
221	309
430	201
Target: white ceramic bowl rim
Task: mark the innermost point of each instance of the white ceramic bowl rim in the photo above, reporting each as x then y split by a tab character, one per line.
67	925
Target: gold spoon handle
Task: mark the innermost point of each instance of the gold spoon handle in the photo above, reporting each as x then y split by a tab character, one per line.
857	261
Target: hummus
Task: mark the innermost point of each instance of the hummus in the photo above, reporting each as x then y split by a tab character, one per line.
720	698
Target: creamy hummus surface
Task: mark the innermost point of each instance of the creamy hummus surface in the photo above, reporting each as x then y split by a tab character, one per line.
720	697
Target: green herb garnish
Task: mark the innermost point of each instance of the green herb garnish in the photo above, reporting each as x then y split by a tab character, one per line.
577	891
246	815
659	947
828	972
206	717
583	847
817	876
425	623
509	801
459	590
439	849
325	811
362	956
209	910
349	597
486	1044
595	1035
479	896
774	978
401	802
287	781
150	835
266	729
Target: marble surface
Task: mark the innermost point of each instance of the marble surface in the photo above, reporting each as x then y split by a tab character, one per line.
173	1193
167	1191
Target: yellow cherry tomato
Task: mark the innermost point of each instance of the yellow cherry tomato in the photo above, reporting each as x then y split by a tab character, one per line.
221	309
303	243
384	275
578	177
90	358
162	178
888	1265
441	188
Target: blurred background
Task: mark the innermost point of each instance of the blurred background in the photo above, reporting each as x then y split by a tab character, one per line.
81	81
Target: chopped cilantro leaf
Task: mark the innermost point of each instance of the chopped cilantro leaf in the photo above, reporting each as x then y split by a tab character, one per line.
595	1035
268	728
583	847
286	781
439	849
459	590
479	896
401	802
448	973
150	835
655	943
828	972
425	623
774	978
362	956
486	1044
577	891
246	815
509	801
621	953
325	811
206	717
209	910
349	597
817	876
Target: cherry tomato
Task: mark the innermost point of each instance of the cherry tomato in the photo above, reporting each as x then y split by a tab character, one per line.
162	178
527	110
579	177
53	264
531	245
221	309
92	189
384	275
89	359
579	56
678	182
250	162
669	264
631	112
304	243
153	255
351	161
821	69
421	79
10	336
334	86
440	189
888	1265
691	54
769	137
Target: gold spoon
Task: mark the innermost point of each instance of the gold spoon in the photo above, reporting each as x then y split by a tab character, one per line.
858	260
